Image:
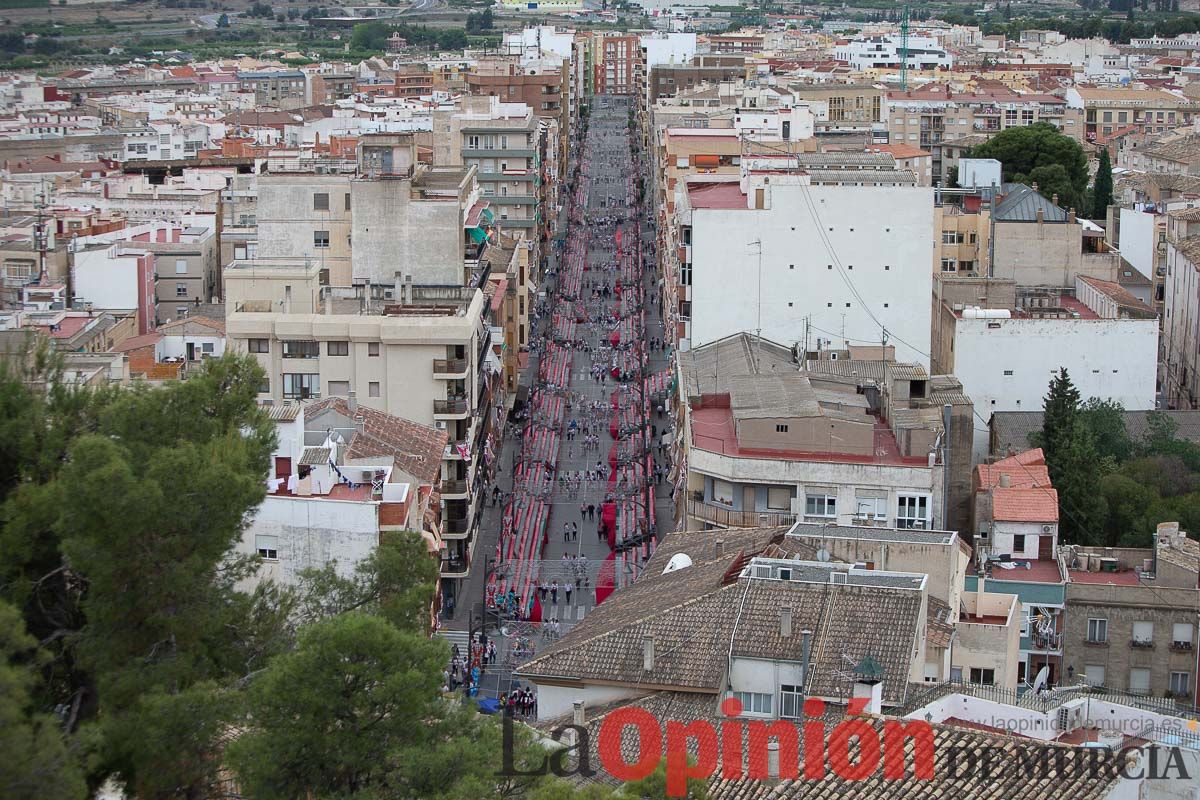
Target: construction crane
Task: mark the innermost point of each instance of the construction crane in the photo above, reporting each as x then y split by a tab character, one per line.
904	50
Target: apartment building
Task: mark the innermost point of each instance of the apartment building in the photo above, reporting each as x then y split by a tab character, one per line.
501	141
1005	356
401	216
1176	152
891	52
542	83
412	351
618	57
762	443
929	115
1015	533
866	227
281	89
963	232
341	480
1142	109
1182	323
1131	616
668	80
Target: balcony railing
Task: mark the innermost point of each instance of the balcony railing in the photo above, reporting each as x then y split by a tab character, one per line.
1143	644
456	526
456	566
1181	647
451	407
450	366
738	519
454	487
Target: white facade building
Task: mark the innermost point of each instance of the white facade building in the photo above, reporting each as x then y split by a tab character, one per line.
814	256
1005	360
883	52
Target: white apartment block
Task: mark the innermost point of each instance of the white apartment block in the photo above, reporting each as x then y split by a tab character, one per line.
887	52
826	255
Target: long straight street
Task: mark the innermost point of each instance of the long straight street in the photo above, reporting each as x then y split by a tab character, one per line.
582	490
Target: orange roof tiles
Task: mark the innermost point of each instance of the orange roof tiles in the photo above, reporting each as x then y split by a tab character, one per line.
1024	470
1024	505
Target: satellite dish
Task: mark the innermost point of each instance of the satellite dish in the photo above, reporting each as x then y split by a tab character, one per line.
1039	682
823	555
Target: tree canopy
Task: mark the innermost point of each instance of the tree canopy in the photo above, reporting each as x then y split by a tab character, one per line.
1040	154
1102	190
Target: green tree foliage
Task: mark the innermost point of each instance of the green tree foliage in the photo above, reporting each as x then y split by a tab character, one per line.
1071	459
36	761
1040	154
373	36
1102	191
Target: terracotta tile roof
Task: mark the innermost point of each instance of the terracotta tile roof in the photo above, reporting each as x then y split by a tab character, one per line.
1024	470
696	614
940	629
1024	505
1117	293
417	449
137	342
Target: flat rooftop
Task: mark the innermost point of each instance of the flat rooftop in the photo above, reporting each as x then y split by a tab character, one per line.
1027	572
813	529
1124	578
713	429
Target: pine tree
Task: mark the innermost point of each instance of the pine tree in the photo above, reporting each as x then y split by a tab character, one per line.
1071	459
1102	191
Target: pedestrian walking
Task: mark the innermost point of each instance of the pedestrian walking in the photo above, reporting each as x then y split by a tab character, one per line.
554	592
567	591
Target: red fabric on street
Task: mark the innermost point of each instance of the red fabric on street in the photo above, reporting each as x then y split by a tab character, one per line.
605	580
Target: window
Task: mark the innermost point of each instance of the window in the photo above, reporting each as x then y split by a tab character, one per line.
320	239
1139	681
781	428
1018	543
952	237
301	349
754	702
986	677
1097	630
791	701
1143	633
949	265
267	546
337	348
181	290
1181	635
372	348
779	497
181	266
347	201
265	386
722	492
207	347
871	508
258	345
321	201
820	505
1093	674
300	385
1181	684
373	389
912	511
339	388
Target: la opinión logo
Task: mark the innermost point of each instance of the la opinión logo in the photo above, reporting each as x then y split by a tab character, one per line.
854	749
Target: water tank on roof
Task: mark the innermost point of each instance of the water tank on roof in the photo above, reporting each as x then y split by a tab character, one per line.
974	312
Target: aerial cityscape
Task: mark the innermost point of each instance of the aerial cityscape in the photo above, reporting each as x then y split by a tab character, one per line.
547	399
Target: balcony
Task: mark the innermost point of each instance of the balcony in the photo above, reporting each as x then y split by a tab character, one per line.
455	566
451	409
455	528
1141	644
455	490
1181	647
729	518
450	369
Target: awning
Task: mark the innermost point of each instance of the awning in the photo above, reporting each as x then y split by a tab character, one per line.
498	296
477	235
706	161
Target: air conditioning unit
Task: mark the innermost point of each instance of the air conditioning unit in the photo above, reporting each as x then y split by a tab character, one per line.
440	424
1047	529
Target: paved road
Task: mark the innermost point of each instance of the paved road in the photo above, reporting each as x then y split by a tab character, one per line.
610	158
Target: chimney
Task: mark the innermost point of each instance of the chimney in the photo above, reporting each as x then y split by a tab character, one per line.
577	714
648	653
328	302
398	295
1054	198
773	761
719	548
1041	216
360	423
785	622
1071	216
1034	186
408	289
872	692
352	402
1005	480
